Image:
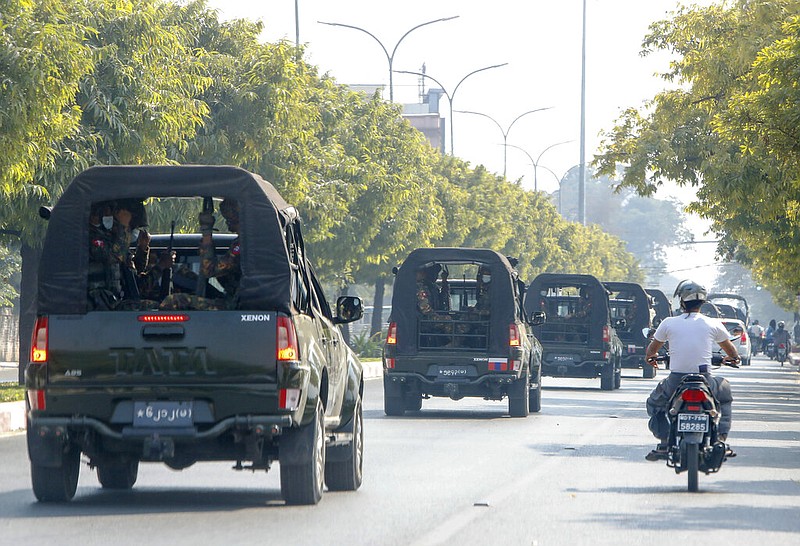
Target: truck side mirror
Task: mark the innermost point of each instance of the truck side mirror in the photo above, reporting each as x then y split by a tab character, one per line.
348	309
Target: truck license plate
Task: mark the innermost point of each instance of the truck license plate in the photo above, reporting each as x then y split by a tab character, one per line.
692	422
162	414
453	371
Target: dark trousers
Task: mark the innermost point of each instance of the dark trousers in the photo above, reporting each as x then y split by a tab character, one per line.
659	399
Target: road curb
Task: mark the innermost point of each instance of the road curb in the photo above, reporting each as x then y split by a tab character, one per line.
12	416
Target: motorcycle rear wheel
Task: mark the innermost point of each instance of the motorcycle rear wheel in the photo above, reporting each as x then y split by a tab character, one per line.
692	464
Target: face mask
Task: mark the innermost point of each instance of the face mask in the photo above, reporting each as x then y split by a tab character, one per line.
486	279
134	234
108	222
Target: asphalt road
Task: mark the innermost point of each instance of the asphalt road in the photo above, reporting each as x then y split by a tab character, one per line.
465	473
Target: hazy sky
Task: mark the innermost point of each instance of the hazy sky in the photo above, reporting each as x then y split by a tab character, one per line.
539	39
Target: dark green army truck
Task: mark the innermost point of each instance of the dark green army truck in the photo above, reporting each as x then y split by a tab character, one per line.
471	339
630	312
266	377
579	338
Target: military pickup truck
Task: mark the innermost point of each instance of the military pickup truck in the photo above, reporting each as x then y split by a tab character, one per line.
630	311
265	377
579	338
468	338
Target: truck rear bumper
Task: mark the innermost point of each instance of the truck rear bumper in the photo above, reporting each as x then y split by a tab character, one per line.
57	426
588	369
492	386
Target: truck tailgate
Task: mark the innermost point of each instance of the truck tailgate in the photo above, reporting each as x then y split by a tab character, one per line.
140	348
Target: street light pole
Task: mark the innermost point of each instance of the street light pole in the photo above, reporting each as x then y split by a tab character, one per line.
582	175
507	130
535	163
389	57
450	96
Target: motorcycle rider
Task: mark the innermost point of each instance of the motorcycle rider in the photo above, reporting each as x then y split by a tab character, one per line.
769	339
782	335
755	332
691	336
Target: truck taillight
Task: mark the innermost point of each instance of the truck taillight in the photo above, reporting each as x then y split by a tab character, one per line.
389	363
36	399
513	335
606	335
39	341
286	338
391	334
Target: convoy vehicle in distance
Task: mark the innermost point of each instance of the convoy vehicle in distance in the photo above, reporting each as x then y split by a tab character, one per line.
578	339
629	305
660	305
264	377
471	339
731	306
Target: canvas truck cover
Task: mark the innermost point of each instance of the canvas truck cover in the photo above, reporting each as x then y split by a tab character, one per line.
634	292
265	283
543	281
504	307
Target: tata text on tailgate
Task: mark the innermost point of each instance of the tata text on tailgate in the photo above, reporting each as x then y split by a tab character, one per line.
187	347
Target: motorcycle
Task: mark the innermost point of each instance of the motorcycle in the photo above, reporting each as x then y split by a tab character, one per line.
694	413
770	349
781	353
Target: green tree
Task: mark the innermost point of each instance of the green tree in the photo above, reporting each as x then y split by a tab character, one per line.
727	129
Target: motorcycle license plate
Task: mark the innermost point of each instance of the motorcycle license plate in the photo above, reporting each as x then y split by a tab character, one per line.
692	422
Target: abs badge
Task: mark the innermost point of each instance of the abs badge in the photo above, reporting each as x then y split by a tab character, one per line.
498	364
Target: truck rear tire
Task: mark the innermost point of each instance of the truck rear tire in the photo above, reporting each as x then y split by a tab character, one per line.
301	456
344	465
535	399
607	377
412	401
57	484
118	473
518	396
393	404
648	372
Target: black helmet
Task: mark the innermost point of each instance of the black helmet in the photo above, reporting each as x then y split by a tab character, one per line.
688	290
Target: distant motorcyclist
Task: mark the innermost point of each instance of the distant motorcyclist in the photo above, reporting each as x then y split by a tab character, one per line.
768	333
782	335
691	337
755	332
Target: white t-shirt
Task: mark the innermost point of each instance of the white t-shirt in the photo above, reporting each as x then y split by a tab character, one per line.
691	338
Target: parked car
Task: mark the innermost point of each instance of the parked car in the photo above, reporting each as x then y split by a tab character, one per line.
579	338
471	339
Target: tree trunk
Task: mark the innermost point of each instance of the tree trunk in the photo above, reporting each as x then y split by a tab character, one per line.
27	303
377	307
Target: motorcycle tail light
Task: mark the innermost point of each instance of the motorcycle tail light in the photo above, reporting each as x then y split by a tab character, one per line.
693	395
782	346
692	407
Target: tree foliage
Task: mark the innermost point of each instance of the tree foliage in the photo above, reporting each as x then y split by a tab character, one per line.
153	81
729	127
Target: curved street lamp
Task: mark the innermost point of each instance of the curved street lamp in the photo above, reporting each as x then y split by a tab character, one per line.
560	180
536	162
450	96
389	57
507	130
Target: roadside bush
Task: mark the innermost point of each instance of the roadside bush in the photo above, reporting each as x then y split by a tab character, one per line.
367	346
